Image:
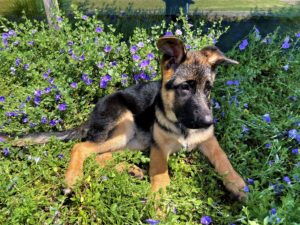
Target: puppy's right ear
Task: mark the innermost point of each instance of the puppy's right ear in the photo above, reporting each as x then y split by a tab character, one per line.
172	48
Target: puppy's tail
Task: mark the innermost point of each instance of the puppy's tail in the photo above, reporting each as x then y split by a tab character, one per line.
79	132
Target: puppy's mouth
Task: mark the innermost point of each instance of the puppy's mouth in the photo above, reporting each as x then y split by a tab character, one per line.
195	124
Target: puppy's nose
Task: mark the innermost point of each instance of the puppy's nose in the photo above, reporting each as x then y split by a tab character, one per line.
207	120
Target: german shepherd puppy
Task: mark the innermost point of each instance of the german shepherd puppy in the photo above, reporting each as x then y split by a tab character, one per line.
164	115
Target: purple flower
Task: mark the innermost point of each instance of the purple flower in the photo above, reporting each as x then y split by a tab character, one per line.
188	46
11	33
152	221
298	138
133	49
2	99
168	33
84	77
37	159
298	34
150	56
74	56
236	82
140	44
107	48
287	180
57	97
295	151
44	120
59	19
52	123
30	42
246	189
144	76
250	181
12	114
18	61
84	17
100	65
292	133
267	41
246	105
113	63
217	105
266	118
37	100
104	80
98	29
135	57
136	77
124	78
47	90
38	93
26	66
82	57
13	70
268	145
243	44
144	63
229	83
73	85
51	80
286	67
6	152
286	43
60	156
256	31
245	129
5	36
2	139
178	32
206	220
32	124
25	120
70	43
273	211
62	107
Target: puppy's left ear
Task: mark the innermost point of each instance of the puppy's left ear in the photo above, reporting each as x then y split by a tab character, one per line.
172	47
215	57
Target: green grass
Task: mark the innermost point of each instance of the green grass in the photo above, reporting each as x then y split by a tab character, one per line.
16	6
223	5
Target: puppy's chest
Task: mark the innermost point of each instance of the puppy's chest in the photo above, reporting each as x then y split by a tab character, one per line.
194	138
190	141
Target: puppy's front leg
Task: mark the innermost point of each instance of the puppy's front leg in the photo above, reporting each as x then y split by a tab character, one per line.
231	179
158	172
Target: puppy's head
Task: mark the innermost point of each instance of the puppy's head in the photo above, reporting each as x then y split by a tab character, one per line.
187	80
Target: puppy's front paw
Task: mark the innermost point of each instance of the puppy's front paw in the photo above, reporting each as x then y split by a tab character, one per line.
236	186
71	177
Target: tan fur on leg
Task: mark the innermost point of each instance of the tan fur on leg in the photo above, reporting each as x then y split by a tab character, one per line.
158	172
231	179
104	158
120	137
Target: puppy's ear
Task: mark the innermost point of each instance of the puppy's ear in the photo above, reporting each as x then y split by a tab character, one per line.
215	57
172	48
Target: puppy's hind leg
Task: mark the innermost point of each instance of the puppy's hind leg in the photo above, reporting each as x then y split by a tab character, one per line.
123	133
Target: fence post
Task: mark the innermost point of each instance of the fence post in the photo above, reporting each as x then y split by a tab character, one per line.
51	6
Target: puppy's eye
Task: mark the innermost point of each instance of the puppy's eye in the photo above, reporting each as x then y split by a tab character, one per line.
184	86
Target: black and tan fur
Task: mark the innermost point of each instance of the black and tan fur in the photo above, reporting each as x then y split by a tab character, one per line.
164	116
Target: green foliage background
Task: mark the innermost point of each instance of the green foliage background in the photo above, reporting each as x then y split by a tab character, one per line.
31	178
